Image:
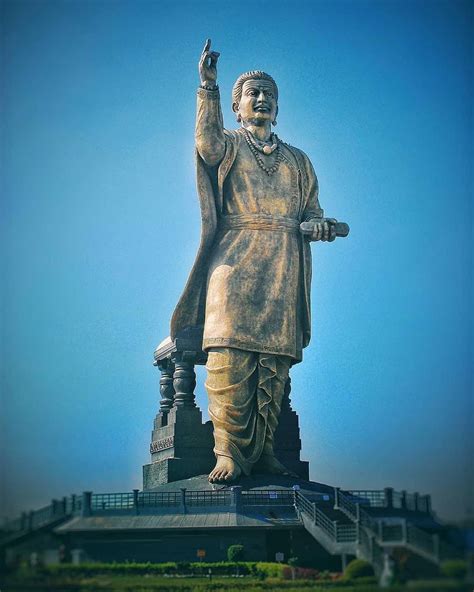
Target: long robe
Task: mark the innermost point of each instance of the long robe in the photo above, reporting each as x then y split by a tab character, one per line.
211	182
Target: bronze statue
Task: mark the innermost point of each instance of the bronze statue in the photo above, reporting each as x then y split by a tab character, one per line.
250	284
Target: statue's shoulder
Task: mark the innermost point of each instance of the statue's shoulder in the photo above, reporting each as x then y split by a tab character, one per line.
233	135
297	152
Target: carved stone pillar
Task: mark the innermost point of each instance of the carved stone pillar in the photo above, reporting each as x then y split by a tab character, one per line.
184	379
166	385
181	445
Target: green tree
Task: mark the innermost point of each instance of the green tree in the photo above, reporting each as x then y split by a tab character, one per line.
358	568
236	553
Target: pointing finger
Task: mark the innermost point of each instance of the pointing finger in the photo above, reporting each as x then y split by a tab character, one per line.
207	45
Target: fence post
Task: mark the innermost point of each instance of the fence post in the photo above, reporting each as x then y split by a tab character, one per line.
135	500
404	531
314	511
334	527
388	491
357	511
54	507
428	504
295	489
336	498
87	503
236	499
403	501
416	496
73	503
64	505
183	500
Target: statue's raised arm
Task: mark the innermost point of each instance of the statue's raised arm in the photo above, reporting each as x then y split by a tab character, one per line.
210	140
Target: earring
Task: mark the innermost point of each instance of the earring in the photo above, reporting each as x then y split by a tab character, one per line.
239	119
274	122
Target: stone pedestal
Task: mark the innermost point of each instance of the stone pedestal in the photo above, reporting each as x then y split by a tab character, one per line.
287	443
181	445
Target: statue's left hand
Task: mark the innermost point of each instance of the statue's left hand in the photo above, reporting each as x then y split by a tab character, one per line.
319	229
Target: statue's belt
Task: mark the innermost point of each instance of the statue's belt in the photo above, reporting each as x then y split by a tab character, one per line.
259	222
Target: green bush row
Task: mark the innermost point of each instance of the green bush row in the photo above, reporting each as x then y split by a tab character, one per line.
259	569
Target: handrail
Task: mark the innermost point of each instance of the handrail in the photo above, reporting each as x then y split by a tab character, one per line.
369	497
345	504
340	533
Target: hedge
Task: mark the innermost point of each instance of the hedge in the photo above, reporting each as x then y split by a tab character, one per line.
258	569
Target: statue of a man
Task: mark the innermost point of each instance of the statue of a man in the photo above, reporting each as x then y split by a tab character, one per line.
250	284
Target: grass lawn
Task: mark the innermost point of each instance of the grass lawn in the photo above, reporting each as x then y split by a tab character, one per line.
141	583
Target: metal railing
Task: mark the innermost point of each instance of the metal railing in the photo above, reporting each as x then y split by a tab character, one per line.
36	519
155	499
368	497
264	497
346	533
339	533
375	533
112	501
347	505
208	498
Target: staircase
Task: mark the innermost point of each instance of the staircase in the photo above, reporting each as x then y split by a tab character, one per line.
347	527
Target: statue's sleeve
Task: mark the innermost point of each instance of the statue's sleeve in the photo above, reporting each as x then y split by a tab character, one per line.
312	207
210	138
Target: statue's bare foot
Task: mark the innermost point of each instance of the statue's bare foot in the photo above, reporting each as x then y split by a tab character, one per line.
270	464
226	469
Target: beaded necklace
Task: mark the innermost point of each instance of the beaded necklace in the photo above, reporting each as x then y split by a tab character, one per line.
255	149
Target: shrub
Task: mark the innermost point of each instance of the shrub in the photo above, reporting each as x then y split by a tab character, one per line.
307	573
358	568
454	568
235	553
268	570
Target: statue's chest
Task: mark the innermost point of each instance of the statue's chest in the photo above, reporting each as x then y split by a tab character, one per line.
249	187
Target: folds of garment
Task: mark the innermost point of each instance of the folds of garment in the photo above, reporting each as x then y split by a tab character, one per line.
245	392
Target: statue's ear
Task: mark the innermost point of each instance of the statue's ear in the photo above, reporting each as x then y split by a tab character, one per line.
235	109
274	122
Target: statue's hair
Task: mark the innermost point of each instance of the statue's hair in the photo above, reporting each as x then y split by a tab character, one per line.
252	75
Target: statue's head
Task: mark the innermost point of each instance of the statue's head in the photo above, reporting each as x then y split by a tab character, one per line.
255	97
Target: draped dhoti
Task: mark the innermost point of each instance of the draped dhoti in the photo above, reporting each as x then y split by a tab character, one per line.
245	392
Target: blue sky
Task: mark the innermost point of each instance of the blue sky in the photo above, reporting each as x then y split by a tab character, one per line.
100	225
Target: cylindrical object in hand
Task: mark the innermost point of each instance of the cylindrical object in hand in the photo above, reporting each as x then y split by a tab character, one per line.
342	229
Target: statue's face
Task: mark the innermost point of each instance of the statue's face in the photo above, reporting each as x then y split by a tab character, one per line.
258	102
